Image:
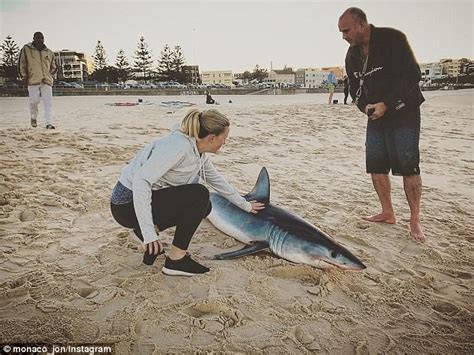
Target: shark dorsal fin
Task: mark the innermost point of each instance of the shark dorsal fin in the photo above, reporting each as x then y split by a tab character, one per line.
261	190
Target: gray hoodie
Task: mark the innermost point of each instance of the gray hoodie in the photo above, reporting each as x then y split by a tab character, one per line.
172	160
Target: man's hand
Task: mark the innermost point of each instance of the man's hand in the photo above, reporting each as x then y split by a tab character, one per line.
379	110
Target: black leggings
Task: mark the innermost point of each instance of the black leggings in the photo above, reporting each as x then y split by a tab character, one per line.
182	206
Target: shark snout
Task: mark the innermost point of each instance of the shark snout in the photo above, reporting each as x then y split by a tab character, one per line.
355	265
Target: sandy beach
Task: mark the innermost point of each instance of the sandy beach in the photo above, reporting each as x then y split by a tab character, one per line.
70	274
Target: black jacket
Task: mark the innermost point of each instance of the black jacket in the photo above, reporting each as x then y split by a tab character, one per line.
392	74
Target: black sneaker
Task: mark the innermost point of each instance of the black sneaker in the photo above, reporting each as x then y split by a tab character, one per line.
183	267
50	126
34	123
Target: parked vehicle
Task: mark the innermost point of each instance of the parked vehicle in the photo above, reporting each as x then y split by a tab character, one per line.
90	84
147	86
11	85
76	85
62	84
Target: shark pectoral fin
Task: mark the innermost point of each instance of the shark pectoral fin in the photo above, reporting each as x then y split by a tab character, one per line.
247	250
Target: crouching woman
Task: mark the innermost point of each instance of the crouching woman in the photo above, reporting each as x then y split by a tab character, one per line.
161	187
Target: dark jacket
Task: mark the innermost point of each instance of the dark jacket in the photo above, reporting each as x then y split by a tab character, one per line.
392	74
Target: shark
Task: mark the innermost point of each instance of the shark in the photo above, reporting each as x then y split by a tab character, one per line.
274	228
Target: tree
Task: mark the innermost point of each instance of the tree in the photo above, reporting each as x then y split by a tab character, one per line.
100	58
170	64
143	59
177	62
10	54
123	66
247	76
165	66
259	74
107	74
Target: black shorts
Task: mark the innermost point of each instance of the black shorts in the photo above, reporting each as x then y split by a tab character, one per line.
392	143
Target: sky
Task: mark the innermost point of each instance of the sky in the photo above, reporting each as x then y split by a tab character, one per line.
237	35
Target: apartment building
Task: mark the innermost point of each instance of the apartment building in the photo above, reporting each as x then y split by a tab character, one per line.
217	77
191	73
431	71
299	77
451	67
314	78
467	67
284	76
73	65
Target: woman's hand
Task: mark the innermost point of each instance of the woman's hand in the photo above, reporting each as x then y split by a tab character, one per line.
154	248
256	206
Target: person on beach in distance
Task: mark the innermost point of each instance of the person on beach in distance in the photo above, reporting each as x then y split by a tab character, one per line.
209	99
346	88
160	187
332	81
383	79
36	66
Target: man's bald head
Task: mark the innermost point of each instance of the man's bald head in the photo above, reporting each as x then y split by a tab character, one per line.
356	13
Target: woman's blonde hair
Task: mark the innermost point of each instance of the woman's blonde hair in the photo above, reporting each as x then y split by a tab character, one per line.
200	124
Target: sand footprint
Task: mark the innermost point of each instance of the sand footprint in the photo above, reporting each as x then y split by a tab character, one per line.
302	336
225	291
446	308
214	316
14	292
299	272
143	348
84	289
41	283
373	341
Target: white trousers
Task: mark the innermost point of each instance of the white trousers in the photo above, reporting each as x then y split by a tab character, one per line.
36	93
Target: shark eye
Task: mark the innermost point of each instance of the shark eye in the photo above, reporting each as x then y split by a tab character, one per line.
334	254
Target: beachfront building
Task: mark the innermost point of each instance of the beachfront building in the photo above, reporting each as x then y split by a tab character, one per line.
281	77
467	67
191	73
299	78
217	77
451	67
314	77
74	66
239	79
431	71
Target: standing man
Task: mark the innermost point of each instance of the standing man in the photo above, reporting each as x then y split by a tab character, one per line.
346	88
37	67
383	79
332	81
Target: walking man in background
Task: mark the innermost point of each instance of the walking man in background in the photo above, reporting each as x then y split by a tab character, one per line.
346	88
383	79
36	67
332	81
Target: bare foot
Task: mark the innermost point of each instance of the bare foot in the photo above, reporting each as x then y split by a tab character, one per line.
382	217
416	232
